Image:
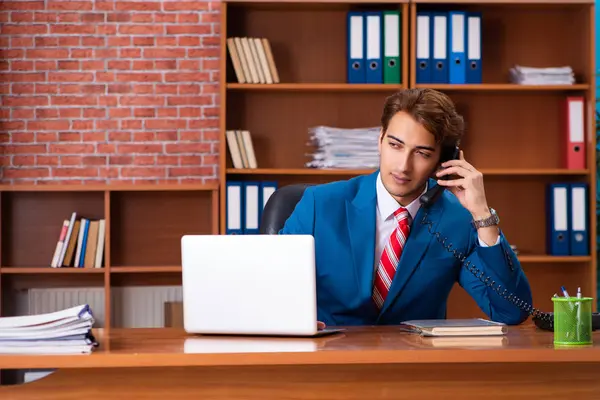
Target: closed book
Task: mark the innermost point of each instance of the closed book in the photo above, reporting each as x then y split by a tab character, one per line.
455	327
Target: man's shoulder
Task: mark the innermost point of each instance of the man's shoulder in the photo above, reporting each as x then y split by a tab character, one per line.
340	189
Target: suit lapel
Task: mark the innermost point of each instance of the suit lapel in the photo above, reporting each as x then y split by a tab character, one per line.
416	245
360	213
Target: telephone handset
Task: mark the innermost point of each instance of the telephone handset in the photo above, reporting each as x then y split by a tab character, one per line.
542	319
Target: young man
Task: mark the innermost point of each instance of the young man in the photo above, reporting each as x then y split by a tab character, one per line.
377	261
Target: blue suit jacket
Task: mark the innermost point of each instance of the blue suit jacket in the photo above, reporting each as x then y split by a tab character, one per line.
341	217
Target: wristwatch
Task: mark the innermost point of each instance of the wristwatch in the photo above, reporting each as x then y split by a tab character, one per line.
492	220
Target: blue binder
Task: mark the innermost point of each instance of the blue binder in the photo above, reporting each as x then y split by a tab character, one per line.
558	220
252	206
579	214
423	50
234	206
473	48
439	47
267	188
456	47
356	47
374	46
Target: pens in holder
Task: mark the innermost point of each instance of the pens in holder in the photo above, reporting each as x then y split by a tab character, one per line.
566	294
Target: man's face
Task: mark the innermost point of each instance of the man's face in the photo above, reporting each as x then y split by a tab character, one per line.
409	156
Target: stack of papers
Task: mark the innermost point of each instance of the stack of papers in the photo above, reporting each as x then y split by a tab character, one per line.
542	76
62	332
344	148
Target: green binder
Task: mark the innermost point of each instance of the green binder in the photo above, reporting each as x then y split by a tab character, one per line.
392	44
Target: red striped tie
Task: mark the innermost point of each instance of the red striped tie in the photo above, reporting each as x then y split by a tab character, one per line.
390	257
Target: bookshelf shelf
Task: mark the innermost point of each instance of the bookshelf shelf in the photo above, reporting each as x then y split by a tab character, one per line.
48	270
144	269
326	87
144	225
514	132
505	87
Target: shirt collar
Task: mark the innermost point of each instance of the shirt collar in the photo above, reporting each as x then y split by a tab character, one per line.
386	204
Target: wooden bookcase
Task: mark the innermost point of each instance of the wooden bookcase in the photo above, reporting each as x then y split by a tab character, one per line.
514	133
144	225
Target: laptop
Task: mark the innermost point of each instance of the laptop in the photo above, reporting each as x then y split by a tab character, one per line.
250	285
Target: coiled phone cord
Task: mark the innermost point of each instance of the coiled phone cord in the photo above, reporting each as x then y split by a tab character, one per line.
487	280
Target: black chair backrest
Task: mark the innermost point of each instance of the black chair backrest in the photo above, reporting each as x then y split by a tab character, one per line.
280	206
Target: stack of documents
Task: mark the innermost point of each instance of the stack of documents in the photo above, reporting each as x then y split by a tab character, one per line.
62	332
542	76
344	148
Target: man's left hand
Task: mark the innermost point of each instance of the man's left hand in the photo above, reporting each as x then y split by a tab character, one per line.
467	187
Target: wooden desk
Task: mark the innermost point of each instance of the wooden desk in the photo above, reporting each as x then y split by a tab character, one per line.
362	363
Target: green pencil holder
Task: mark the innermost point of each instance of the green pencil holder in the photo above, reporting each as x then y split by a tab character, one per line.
572	320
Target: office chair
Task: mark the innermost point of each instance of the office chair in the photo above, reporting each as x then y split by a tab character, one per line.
280	206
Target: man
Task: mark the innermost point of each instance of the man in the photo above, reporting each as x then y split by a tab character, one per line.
377	262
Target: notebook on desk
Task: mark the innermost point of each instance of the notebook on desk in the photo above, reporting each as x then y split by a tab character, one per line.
454	327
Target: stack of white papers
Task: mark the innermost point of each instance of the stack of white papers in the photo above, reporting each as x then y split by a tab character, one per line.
62	332
344	148
542	76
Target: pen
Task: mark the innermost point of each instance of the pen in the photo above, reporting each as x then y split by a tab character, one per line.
578	292
565	293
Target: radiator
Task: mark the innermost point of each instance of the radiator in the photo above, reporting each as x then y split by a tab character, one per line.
131	306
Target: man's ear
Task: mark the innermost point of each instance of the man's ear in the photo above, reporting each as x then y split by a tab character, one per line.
381	135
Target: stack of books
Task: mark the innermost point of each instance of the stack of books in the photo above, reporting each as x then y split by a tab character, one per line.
344	148
67	331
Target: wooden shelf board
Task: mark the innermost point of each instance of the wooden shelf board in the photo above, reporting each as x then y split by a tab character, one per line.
315	171
390	87
144	269
118	187
315	87
50	270
552	259
516	2
505	87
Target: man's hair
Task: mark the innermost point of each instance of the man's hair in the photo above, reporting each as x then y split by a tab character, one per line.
432	109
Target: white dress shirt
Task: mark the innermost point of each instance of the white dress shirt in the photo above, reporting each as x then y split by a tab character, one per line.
385	221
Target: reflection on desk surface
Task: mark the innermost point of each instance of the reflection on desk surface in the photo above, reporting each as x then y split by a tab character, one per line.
377	344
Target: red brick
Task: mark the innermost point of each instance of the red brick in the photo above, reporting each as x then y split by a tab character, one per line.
70	160
70	5
94	160
18	161
120	160
186	5
67	172
43	160
69	137
141	30
21	137
12	173
48	125
71	148
21	5
46	137
140	148
187	147
144	160
144	136
155	124
189	171
133	172
196	29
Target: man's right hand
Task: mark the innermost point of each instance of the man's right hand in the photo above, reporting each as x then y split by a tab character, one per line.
320	325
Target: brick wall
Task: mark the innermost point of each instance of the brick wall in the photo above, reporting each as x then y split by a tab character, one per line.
102	91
